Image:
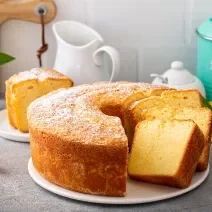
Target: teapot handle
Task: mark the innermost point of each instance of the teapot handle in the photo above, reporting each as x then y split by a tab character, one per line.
115	57
163	79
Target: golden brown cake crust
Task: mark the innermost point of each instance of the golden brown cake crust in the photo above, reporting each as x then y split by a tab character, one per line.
195	147
74	136
205	157
87	168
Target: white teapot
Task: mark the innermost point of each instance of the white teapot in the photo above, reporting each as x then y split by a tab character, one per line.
179	78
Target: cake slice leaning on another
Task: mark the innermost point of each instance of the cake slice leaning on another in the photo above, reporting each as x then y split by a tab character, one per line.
25	87
165	152
173	98
201	116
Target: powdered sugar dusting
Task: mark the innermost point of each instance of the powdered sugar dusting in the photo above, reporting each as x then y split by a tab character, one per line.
36	74
76	114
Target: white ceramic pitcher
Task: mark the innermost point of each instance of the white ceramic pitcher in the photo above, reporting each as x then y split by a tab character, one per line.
79	53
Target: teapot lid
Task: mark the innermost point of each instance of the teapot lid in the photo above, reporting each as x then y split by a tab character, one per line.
177	75
205	30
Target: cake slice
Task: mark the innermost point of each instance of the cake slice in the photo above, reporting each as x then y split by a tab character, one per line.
173	98
189	98
151	91
135	97
165	152
25	87
133	114
201	116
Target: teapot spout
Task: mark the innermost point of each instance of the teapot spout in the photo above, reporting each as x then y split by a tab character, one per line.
163	79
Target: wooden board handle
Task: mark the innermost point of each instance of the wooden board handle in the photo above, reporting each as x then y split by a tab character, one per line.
25	10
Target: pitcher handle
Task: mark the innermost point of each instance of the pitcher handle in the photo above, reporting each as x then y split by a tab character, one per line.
114	55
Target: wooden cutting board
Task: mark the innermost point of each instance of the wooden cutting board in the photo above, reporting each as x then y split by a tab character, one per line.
25	10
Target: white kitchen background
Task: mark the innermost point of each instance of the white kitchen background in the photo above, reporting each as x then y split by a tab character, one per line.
149	34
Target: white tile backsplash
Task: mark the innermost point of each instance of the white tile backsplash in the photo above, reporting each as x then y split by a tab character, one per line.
149	34
129	63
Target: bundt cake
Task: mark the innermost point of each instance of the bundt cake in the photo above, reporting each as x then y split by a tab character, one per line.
77	138
165	152
25	87
201	116
77	143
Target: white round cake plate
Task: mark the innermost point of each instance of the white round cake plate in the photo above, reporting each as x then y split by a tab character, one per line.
137	192
8	132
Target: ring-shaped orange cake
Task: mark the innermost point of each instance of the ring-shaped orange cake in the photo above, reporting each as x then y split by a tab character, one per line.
77	137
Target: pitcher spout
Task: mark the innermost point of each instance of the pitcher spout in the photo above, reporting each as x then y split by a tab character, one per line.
76	35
